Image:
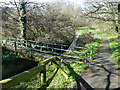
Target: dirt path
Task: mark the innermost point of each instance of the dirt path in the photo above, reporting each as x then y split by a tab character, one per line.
102	72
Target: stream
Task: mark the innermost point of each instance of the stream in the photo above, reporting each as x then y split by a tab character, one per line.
15	67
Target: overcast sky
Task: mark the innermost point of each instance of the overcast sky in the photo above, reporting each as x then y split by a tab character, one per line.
75	2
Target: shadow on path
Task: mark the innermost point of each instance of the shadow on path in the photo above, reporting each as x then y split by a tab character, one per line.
102	72
108	76
79	80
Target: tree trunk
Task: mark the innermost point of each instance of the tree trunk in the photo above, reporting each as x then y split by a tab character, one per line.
119	16
22	19
119	29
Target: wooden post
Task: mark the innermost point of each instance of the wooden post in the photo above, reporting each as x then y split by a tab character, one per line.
43	76
43	87
14	80
91	53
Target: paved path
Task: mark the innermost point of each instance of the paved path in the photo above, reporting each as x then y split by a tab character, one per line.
102	72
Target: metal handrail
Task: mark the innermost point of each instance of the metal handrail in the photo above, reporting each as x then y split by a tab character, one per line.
52	50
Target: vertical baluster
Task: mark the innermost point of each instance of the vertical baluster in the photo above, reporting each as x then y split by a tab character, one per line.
91	53
15	46
41	47
52	51
47	47
61	48
85	57
26	45
9	41
30	50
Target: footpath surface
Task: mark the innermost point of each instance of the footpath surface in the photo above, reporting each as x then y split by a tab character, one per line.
102	72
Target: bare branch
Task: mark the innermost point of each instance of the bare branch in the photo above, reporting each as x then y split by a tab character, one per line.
17	7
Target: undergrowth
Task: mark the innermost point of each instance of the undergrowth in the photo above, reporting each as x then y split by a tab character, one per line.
8	56
73	70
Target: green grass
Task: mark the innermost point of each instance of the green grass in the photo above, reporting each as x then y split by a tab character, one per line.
73	70
114	46
83	30
94	45
112	41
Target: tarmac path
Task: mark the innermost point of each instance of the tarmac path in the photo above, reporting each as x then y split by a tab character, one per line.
102	72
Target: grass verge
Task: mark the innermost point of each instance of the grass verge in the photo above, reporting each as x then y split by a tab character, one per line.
92	45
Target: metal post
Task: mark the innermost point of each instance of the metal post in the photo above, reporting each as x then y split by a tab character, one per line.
9	41
52	51
26	45
85	57
41	46
91	54
47	48
15	47
61	48
30	51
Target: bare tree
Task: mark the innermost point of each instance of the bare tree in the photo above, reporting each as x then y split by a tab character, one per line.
22	17
106	11
45	22
16	15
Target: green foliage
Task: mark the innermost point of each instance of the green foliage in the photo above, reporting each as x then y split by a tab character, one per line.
73	70
94	45
84	30
88	44
8	56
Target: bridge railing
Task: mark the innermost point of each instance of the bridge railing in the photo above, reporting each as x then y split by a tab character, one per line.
41	68
29	46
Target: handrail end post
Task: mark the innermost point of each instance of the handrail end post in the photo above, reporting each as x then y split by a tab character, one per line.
43	76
